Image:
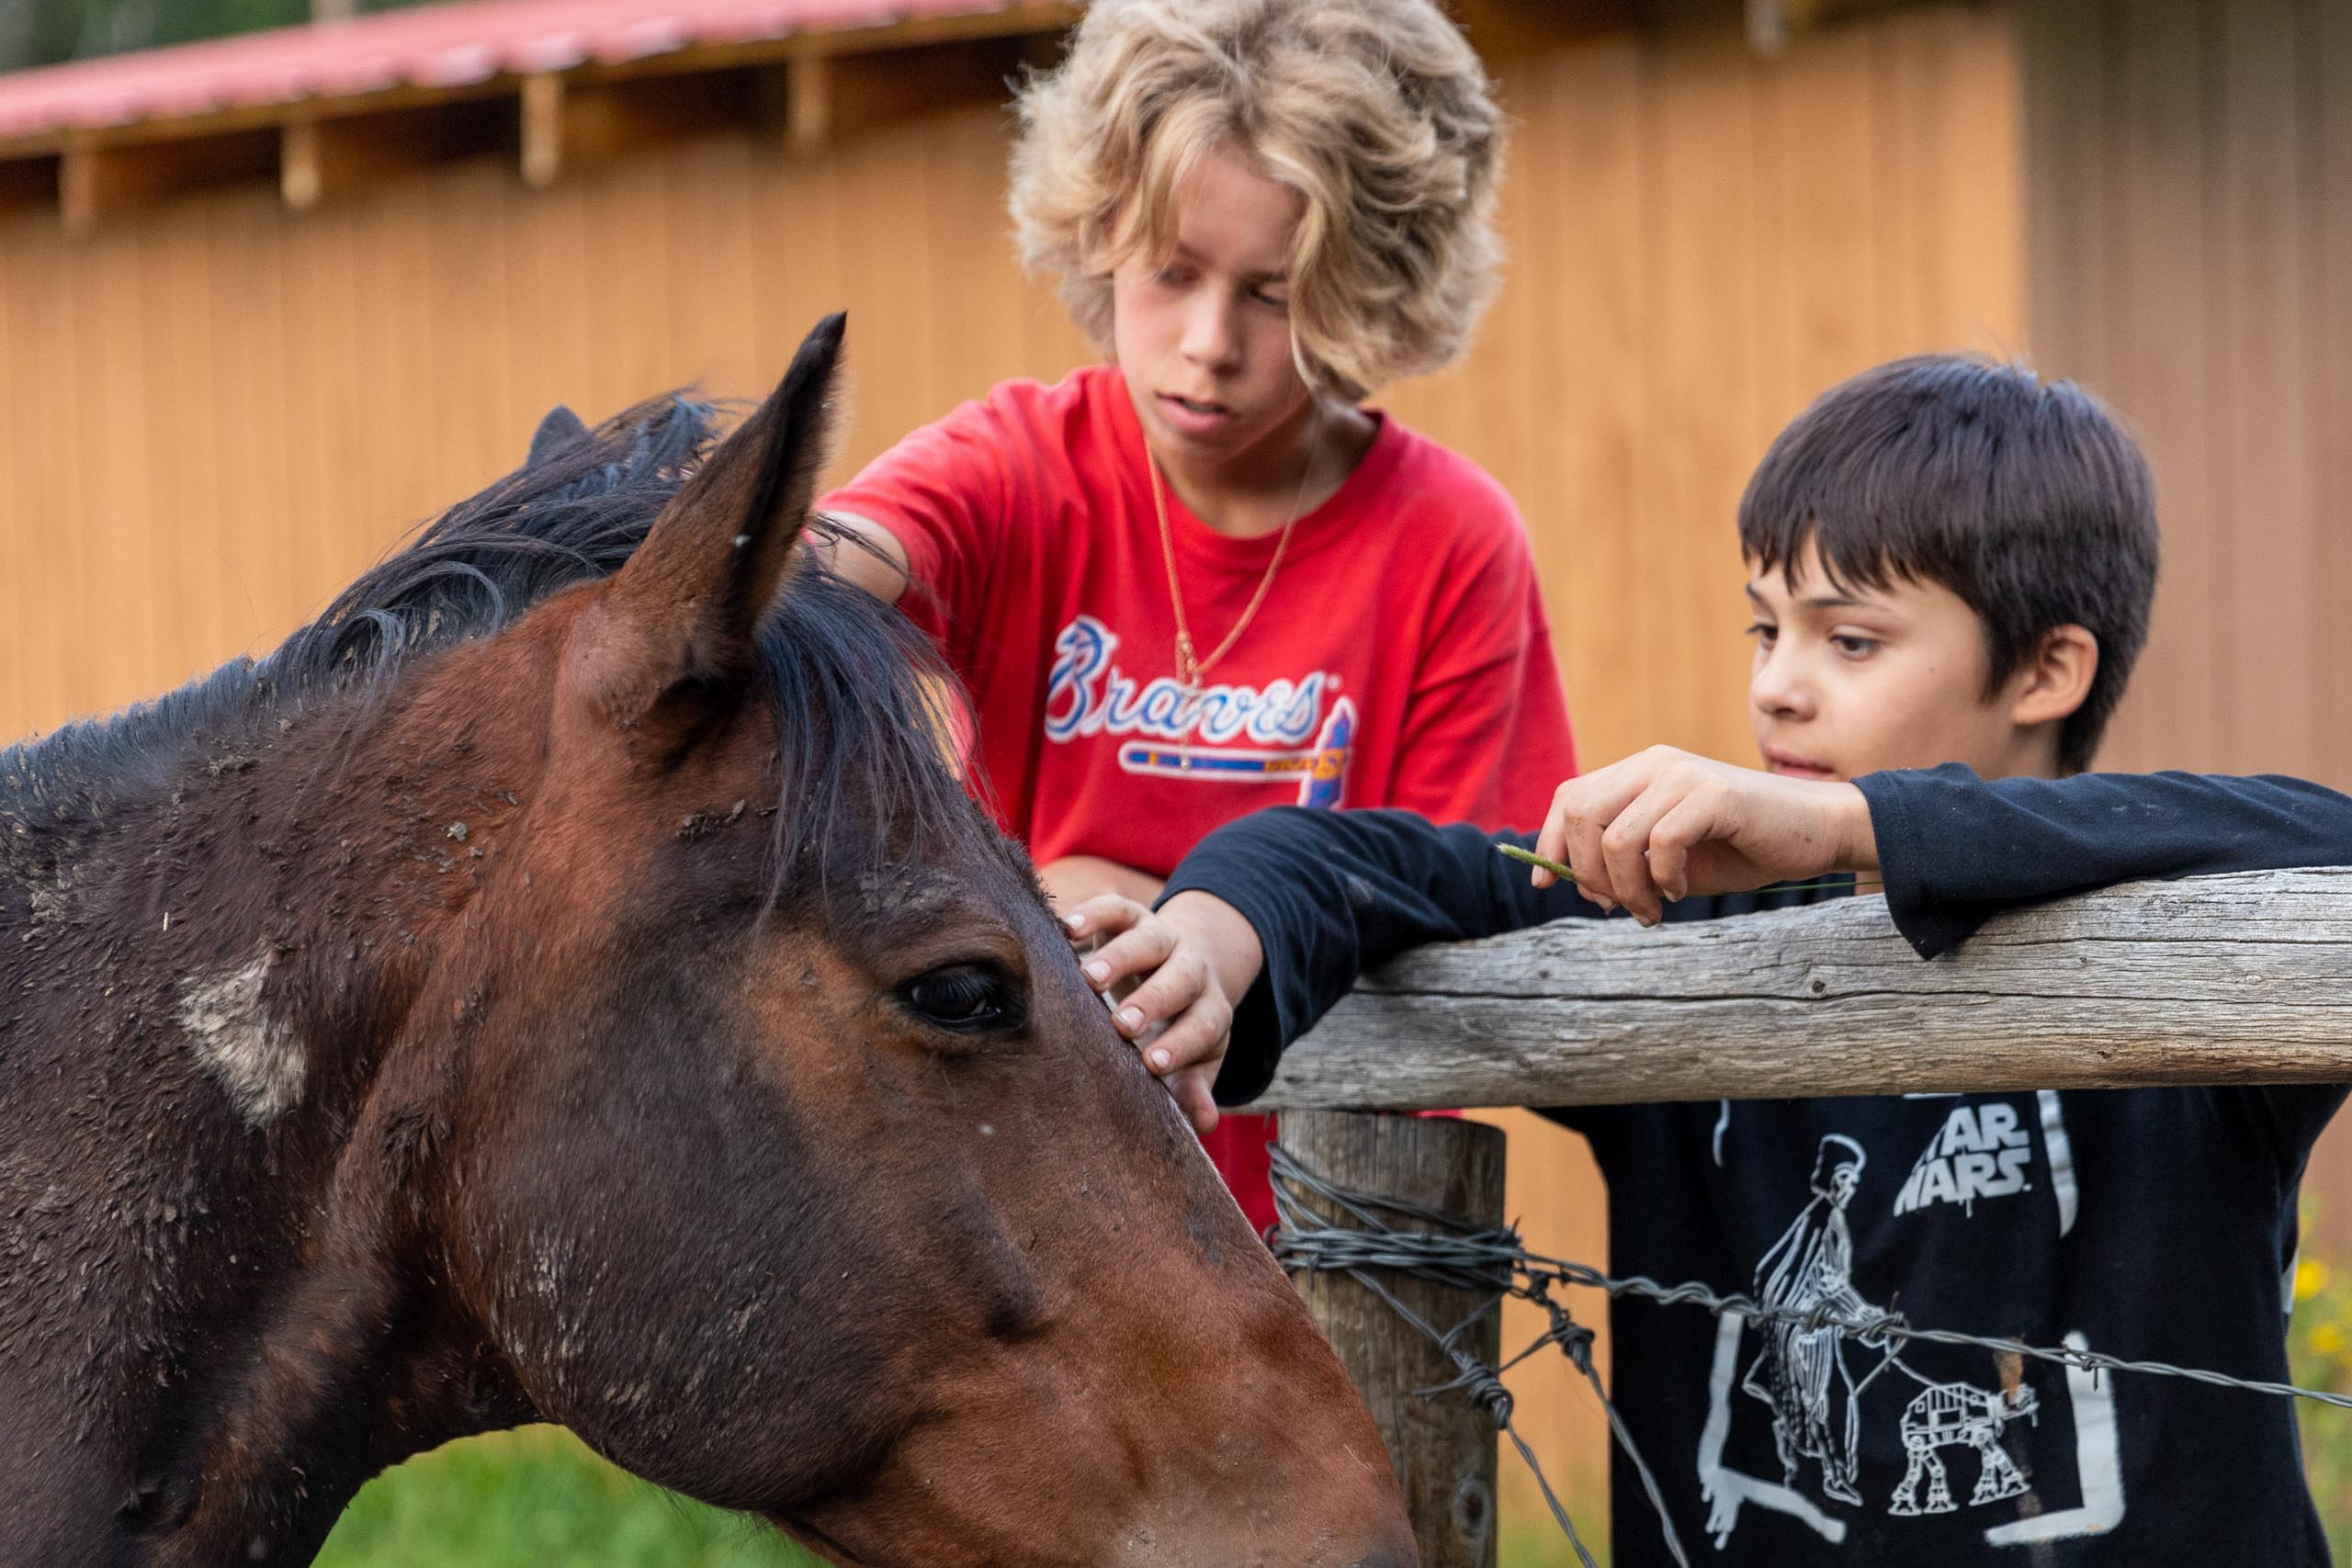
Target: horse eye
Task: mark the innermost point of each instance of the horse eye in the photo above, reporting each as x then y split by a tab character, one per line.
961	995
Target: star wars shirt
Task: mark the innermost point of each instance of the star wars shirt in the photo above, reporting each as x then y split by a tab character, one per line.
2148	1223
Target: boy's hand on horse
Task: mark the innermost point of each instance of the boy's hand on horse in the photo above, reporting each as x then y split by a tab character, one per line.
1199	956
1663	824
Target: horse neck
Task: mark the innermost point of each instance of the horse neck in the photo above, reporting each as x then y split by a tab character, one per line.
207	960
260	902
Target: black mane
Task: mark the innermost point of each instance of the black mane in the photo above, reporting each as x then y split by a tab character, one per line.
576	511
855	687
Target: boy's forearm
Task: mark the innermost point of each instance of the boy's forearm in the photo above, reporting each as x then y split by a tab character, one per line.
1330	894
1953	849
1073	879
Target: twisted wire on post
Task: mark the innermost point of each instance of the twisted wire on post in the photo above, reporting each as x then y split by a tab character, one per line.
1494	1263
1468	1260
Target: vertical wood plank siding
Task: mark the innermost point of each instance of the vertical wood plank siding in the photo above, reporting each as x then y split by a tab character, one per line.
2190	202
212	414
2189	194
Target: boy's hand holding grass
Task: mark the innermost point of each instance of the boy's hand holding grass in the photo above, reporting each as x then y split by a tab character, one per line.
1200	956
1663	824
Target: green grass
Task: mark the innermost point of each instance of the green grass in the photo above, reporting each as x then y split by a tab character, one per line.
537	1496
1532	1543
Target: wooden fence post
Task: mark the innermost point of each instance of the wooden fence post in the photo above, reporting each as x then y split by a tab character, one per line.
1442	1447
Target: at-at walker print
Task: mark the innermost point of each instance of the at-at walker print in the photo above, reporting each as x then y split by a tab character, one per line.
1811	1375
1957	1413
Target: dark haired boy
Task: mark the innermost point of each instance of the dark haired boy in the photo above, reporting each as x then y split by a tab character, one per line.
1951	564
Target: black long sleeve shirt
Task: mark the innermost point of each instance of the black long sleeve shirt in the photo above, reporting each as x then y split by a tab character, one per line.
2150	1224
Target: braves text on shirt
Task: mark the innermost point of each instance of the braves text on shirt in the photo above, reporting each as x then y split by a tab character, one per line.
1287	729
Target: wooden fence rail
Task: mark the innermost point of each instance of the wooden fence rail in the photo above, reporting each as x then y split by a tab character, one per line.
2244	978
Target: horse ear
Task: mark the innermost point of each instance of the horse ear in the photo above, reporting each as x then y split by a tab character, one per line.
687	608
559	430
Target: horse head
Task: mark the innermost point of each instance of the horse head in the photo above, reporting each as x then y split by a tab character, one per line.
652	1035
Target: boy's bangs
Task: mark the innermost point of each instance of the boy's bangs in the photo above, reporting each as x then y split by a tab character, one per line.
1147	226
1781	548
1892	475
1856	548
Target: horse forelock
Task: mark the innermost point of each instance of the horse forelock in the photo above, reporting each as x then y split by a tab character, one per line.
862	703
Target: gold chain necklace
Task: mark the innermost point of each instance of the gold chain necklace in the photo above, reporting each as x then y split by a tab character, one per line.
1189	665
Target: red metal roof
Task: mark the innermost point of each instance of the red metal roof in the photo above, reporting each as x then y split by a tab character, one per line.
445	46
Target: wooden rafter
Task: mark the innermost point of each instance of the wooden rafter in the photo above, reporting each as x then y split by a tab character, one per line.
831	96
325	160
98	180
572	123
318	150
1773	25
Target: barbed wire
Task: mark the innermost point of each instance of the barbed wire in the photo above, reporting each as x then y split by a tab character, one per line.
1493	1263
1487	1262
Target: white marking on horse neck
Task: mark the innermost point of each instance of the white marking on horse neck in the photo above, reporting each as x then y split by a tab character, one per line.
258	1061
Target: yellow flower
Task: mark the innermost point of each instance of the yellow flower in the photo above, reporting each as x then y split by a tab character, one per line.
2327	1339
2310	1278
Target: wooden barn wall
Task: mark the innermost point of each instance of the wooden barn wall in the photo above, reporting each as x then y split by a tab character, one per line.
2190	202
211	415
2189	199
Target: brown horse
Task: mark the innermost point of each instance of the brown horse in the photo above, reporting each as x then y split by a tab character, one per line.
565	982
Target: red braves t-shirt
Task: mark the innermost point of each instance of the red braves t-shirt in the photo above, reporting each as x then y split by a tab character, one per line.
1401	656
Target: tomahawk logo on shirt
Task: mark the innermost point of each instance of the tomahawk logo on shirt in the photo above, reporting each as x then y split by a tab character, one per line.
1221	734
